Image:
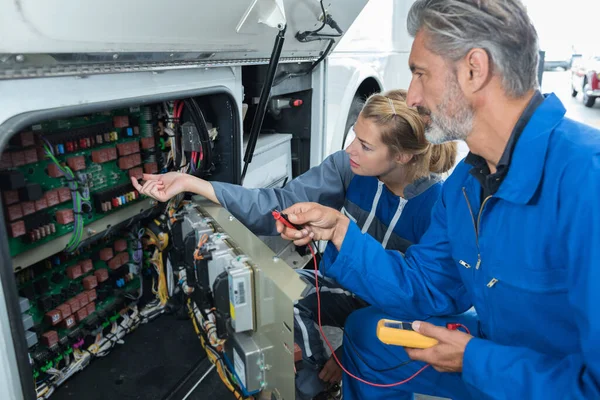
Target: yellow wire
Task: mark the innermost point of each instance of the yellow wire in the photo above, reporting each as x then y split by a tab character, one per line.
160	242
213	359
163	293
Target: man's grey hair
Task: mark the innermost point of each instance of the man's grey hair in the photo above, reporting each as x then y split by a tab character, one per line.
501	27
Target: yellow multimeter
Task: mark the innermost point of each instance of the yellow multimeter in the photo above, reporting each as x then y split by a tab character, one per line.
400	333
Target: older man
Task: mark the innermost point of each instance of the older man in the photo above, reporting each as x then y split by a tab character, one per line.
516	232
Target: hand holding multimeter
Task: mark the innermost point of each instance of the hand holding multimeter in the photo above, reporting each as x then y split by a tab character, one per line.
450	344
400	333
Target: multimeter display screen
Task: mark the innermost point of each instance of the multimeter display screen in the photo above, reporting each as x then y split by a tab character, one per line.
398	325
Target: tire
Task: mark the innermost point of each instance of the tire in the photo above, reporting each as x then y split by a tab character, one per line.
355	108
588	101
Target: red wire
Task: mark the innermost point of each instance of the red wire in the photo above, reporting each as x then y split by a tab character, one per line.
453	326
387	385
177	108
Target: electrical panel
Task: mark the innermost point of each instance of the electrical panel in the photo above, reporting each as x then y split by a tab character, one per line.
69	295
58	176
82	238
94	259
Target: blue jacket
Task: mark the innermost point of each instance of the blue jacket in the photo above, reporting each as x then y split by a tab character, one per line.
532	271
393	221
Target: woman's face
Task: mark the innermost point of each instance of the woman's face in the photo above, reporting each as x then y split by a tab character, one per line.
368	155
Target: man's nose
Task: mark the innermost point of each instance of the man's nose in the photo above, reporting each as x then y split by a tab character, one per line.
414	97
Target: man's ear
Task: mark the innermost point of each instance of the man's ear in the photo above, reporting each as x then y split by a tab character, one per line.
403	158
475	70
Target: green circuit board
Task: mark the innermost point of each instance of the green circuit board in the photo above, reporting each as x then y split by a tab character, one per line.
100	176
45	270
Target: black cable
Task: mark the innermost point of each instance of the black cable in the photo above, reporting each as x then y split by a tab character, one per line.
309	36
177	150
286	75
324	18
202	127
204	139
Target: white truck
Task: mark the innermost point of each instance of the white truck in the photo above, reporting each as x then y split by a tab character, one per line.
244	91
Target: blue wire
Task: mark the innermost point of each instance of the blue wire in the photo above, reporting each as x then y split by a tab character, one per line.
232	369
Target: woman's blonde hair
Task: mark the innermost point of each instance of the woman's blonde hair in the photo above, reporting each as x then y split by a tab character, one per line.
403	131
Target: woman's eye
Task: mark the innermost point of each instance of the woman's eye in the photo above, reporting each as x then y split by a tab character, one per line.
365	148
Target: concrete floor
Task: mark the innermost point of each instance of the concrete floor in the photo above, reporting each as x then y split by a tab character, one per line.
559	82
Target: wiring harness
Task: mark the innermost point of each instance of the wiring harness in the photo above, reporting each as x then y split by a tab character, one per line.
79	358
205	328
80	194
201	159
157	243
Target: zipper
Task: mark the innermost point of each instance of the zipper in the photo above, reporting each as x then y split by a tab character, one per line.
476	224
477	227
480	212
464	264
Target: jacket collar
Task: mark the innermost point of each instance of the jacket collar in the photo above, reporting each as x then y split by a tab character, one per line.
529	157
421	185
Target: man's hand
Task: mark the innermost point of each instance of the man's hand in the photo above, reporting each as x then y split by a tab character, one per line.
162	187
319	223
447	355
331	372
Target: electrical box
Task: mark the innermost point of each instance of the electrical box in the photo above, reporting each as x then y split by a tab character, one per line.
271	164
241	297
248	359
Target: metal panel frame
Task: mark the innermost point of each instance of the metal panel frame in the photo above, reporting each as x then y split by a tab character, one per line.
276	287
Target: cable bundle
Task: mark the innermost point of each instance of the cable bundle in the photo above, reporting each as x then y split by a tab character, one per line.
160	242
215	353
78	198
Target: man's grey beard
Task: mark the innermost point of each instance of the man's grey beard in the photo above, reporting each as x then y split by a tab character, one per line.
453	119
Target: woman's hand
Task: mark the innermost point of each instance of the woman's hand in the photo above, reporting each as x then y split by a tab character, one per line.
331	372
162	187
319	223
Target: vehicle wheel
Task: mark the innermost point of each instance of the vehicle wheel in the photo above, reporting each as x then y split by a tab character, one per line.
355	108
588	101
573	92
